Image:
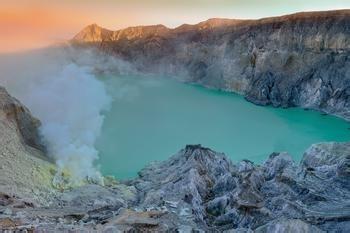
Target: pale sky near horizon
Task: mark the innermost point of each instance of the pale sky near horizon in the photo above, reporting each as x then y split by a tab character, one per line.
27	24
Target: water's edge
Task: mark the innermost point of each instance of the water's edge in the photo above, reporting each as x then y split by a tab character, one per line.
152	117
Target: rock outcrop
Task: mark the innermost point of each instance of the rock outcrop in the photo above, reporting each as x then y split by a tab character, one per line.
24	168
206	190
293	60
19	116
201	190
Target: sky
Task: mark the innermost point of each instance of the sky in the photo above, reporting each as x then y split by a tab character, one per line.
28	24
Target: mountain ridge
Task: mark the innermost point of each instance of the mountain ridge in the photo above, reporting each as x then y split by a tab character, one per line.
296	60
209	23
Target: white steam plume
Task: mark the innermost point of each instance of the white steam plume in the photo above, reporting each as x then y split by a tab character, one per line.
69	105
60	88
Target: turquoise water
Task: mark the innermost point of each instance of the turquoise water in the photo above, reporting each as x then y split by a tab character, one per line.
153	118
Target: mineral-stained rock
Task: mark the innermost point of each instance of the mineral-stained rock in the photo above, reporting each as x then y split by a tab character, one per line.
8	224
25	171
137	219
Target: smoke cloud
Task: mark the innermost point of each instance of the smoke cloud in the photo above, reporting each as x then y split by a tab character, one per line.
60	86
69	105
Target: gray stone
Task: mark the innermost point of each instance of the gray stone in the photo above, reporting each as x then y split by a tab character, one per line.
217	206
294	60
91	197
277	163
288	226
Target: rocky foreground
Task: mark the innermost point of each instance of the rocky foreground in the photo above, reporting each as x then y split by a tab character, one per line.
294	60
197	189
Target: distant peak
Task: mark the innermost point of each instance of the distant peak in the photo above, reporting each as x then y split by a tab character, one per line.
92	33
217	22
93	25
209	23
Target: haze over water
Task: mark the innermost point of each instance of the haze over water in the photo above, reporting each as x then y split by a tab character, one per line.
152	118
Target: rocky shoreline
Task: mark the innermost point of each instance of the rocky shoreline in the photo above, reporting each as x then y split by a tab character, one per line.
294	60
196	189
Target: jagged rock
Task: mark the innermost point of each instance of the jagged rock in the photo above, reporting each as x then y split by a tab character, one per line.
257	194
182	194
225	182
192	173
277	163
327	159
217	206
288	226
293	60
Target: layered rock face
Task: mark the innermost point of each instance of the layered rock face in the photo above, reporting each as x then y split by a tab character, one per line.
294	60
24	168
18	115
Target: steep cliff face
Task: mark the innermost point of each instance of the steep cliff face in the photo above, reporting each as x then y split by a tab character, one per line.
24	169
21	119
294	60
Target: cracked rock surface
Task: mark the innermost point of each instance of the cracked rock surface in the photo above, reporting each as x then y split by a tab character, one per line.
200	189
